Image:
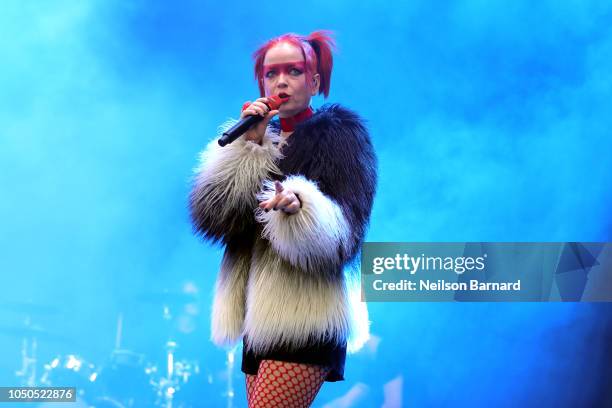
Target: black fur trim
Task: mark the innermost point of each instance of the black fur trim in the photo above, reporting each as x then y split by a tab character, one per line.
333	148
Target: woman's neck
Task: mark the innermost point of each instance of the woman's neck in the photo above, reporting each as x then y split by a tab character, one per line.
288	124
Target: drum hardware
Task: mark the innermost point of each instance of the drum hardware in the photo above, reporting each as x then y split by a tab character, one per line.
126	379
27	373
29	334
73	371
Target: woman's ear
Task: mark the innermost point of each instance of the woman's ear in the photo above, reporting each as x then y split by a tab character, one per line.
316	82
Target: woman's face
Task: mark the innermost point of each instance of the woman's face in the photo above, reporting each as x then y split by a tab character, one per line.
284	74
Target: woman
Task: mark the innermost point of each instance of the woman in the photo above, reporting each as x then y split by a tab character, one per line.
290	201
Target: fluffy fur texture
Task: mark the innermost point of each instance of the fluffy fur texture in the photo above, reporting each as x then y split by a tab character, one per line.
312	238
288	308
333	149
284	280
228	308
227	180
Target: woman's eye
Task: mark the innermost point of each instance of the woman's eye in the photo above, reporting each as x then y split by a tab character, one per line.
295	71
270	74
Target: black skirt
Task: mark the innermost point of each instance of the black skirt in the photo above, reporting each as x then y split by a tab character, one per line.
328	354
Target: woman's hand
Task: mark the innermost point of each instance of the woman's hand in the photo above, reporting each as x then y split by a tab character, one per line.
284	200
256	133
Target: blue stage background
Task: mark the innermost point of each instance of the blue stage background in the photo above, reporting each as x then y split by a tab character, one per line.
491	122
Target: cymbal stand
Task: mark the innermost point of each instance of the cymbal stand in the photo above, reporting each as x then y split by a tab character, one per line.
27	373
230	376
167	385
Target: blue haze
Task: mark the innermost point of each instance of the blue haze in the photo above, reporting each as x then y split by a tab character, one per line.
491	121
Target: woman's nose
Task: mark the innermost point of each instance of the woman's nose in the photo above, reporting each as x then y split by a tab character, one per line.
282	78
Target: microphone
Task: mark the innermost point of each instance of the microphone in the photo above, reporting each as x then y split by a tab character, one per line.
245	123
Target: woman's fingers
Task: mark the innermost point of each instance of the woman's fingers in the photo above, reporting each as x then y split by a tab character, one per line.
256	108
284	200
273	202
260	107
267	118
269	204
292	208
271	114
289	204
278	186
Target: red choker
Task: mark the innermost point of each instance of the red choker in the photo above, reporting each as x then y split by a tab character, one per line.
288	124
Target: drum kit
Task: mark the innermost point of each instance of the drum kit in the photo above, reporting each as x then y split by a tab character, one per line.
127	379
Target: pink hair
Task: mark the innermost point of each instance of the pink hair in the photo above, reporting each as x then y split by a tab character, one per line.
317	50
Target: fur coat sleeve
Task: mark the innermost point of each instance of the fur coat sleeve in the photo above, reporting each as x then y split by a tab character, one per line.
331	165
227	180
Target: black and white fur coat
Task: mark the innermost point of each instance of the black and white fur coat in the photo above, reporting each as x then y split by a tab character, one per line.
289	280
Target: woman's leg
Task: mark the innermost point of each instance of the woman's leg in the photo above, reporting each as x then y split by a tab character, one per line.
250	385
287	385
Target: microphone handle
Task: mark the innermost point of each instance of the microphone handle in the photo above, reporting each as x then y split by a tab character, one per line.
233	133
238	129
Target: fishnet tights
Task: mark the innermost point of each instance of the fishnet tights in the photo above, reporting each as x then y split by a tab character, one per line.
284	385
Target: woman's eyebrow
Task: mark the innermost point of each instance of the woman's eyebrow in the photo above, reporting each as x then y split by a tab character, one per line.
297	64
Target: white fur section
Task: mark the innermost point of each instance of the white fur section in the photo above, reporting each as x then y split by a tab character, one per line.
232	175
360	321
313	235
289	308
227	318
226	325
